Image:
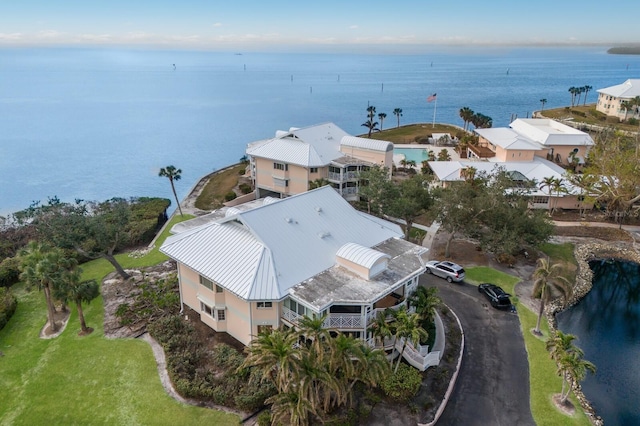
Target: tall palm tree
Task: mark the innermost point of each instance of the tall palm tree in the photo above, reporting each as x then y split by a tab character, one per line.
316	335
41	267
381	328
381	117
80	291
275	356
573	92
466	114
549	183
173	175
561	344
627	105
548	280
398	113
290	408
587	89
543	102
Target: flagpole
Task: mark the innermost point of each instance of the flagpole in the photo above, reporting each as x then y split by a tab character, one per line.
435	106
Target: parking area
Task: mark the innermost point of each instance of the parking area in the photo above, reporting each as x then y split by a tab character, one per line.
493	384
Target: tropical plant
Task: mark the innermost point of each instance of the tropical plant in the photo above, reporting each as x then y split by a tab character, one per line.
543	102
425	300
398	113
78	291
318	183
407	327
573	91
381	329
174	175
549	282
444	155
627	105
381	117
42	267
573	365
466	114
370	124
586	90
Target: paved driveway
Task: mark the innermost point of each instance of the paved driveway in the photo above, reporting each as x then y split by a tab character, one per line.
493	384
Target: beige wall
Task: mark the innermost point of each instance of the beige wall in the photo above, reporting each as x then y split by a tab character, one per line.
609	105
384	159
563	151
514	154
297	176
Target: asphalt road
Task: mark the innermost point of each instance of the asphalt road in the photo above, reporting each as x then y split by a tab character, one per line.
493	384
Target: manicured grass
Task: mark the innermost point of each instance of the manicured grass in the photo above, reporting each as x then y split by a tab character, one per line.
556	252
408	134
85	380
544	382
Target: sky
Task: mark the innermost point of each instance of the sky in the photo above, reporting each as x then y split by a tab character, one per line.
316	25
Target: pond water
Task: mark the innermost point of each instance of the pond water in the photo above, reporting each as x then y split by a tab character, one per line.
607	323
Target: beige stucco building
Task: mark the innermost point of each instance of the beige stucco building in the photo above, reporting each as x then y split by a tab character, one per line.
531	149
286	164
269	263
610	99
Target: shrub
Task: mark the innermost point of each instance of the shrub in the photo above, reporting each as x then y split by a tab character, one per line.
633	121
8	305
245	188
9	271
226	357
230	196
264	418
402	385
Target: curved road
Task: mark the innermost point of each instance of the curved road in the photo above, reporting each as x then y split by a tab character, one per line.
493	384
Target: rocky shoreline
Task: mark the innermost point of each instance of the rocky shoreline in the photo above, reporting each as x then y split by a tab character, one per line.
584	253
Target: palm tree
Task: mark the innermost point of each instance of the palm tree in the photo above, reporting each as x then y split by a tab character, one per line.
275	356
313	330
425	301
573	365
80	291
543	102
558	186
290	408
561	344
381	117
573	92
381	328
41	267
548	280
579	92
407	327
444	155
398	113
173	175
627	105
586	90
466	114
549	183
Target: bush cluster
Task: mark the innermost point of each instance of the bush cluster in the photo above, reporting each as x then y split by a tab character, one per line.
245	188
230	196
402	385
9	271
8	305
207	375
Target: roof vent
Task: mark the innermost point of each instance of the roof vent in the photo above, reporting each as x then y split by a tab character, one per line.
288	220
324	235
319	209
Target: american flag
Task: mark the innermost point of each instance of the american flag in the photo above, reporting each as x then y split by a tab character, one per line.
431	98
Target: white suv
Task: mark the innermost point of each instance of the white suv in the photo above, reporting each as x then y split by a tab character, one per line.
450	271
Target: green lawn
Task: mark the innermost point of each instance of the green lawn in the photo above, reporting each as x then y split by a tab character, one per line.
542	370
85	380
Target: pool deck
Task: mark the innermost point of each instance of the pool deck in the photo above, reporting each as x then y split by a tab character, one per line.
427	147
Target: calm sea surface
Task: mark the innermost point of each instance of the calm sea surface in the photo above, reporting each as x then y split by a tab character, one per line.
607	323
95	124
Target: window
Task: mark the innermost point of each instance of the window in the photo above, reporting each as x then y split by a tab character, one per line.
206	309
219	289
221	315
541	200
281	166
205	282
313	170
264	305
265	329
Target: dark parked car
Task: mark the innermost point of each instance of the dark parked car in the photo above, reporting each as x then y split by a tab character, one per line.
448	270
497	296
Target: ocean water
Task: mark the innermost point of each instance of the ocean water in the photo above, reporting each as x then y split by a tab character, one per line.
607	324
100	123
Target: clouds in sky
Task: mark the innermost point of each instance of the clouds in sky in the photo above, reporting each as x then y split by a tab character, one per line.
263	25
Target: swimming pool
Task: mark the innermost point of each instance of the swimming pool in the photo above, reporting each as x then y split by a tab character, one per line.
416	154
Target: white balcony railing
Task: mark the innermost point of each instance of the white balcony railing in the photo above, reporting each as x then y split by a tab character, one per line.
339	321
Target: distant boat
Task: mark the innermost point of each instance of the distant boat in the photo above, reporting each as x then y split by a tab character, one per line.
174	66
239	54
507	71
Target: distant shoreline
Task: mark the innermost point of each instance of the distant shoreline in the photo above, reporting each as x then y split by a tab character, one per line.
624	50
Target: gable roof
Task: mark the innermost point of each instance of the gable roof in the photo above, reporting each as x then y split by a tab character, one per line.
627	90
260	254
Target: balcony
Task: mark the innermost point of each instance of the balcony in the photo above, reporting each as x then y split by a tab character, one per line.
345	176
340	321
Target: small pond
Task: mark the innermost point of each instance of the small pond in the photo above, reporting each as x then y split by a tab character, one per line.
607	323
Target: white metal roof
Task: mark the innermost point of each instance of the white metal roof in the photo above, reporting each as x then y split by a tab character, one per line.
360	255
538	169
550	132
313	146
507	138
627	90
366	143
261	253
